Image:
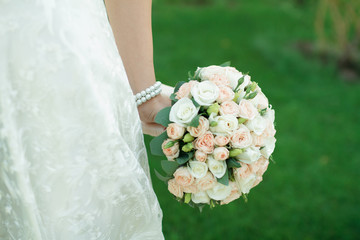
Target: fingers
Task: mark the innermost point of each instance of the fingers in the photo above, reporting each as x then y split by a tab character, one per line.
152	129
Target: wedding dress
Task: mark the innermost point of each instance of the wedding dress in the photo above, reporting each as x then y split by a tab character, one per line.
73	164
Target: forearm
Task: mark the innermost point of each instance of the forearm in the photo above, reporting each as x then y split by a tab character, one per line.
131	24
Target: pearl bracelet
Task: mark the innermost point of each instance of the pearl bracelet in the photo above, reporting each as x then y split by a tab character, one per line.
148	93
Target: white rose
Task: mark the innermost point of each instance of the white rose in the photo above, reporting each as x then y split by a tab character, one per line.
269	147
245	184
250	155
200	197
183	112
257	125
197	169
260	101
270	115
205	93
218	168
233	76
219	192
226	124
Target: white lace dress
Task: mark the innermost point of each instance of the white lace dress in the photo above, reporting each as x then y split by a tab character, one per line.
73	164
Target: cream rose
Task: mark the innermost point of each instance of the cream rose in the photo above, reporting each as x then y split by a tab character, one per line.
247	110
218	168
221	141
270	115
215	74
219	192
260	101
197	169
175	188
183	177
233	76
171	152
226	124
245	184
257	181
235	194
200	197
205	93
229	108
207	182
183	111
225	94
175	131
257	125
221	153
205	143
250	155
200	156
269	147
241	138
201	129
185	90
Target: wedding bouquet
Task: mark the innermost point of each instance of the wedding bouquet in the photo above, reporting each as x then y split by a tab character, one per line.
219	137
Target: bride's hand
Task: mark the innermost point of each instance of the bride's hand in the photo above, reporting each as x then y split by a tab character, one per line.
149	109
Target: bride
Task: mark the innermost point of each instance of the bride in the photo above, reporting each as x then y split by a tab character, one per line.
72	159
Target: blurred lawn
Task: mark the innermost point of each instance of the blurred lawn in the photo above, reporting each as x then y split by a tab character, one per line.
312	192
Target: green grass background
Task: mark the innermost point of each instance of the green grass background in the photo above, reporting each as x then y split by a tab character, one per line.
312	192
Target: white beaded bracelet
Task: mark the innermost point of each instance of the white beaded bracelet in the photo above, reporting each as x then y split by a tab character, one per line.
148	93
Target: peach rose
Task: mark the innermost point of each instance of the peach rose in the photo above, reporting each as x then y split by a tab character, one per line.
200	156
175	188
247	109
241	138
171	152
201	129
185	90
260	166
225	94
269	130
205	143
235	194
175	131
257	181
191	189
229	108
183	177
221	153
242	172
221	141
207	182
258	140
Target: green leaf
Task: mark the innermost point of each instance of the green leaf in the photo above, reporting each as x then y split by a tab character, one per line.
178	85
251	95
232	162
197	75
155	144
240	81
195	102
195	121
190	75
173	98
184	157
187	197
225	179
161	177
169	167
162	117
225	64
263	111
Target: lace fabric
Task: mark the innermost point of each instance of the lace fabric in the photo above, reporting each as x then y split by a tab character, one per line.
73	163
